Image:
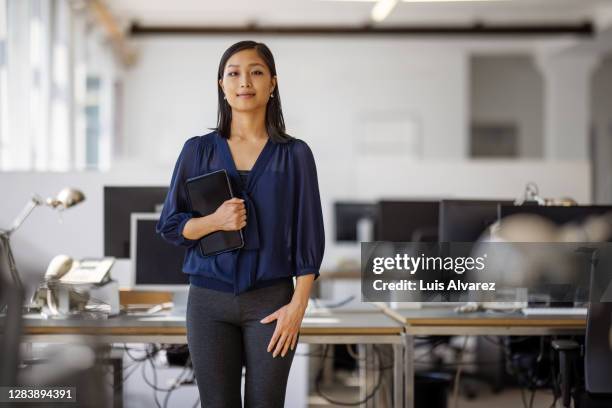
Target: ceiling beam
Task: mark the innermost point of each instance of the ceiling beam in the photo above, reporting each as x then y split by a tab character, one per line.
584	29
113	31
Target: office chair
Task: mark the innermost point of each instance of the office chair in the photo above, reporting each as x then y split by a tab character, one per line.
597	389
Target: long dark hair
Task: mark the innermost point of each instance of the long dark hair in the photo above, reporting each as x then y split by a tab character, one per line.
275	123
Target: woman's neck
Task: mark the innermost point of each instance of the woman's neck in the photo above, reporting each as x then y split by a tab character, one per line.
248	126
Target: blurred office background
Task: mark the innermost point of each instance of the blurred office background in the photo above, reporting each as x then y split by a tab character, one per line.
463	99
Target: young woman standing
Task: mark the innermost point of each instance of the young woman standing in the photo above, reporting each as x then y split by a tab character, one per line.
243	307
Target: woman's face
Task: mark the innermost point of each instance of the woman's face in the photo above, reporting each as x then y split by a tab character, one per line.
247	81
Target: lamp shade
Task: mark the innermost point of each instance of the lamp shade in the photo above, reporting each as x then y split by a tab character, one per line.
66	198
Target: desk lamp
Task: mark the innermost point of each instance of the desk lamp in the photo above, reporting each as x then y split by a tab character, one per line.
66	198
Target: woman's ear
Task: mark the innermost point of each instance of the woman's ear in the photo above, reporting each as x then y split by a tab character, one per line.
273	84
221	85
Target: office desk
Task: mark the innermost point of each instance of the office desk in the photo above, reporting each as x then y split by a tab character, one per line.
367	326
446	322
368	322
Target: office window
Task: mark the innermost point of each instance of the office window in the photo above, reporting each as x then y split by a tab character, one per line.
41	84
3	79
50	99
92	113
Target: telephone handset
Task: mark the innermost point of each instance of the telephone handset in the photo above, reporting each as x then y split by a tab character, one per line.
58	267
64	269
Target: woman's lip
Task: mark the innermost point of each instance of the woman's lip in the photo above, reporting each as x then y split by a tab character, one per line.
246	95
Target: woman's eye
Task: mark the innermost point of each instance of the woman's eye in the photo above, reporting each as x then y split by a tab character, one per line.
232	73
257	73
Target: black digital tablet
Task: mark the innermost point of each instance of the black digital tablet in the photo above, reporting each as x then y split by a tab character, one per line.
206	193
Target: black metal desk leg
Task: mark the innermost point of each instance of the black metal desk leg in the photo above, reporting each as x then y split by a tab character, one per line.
117	382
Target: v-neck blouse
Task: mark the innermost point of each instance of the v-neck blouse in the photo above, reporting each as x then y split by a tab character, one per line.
244	176
284	233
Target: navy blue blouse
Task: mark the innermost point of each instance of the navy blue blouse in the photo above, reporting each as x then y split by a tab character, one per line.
284	234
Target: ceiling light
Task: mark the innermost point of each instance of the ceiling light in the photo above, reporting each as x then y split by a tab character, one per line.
382	8
449	1
419	1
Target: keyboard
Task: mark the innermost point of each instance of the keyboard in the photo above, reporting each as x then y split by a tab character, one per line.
554	311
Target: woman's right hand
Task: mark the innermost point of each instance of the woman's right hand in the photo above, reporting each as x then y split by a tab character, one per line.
231	215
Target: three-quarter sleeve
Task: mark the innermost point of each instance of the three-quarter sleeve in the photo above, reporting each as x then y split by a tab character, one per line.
309	230
176	211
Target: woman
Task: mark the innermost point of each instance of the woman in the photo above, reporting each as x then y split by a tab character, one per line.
243	308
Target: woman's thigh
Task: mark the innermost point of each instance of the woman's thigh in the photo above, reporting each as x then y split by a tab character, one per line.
215	346
266	376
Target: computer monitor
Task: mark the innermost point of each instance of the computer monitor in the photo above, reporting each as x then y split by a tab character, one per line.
156	263
347	216
119	203
557	214
466	220
408	221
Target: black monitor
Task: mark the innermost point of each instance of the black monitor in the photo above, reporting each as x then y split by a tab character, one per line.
348	214
119	203
408	221
466	220
156	263
557	214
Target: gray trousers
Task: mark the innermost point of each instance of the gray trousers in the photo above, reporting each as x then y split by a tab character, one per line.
224	334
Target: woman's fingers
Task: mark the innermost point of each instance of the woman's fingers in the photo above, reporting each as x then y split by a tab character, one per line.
294	341
285	333
280	344
287	344
270	318
273	340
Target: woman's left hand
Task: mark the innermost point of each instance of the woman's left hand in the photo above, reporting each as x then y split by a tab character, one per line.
288	321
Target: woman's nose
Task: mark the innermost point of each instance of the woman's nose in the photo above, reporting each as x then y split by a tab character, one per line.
245	82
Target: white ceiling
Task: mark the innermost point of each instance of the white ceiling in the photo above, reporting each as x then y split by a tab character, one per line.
346	12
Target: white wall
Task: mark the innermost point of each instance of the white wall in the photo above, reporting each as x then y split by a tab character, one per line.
327	87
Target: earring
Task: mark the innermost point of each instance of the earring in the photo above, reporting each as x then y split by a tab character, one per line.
271	95
223	96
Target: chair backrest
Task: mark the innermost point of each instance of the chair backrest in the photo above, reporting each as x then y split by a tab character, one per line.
598	347
598	352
